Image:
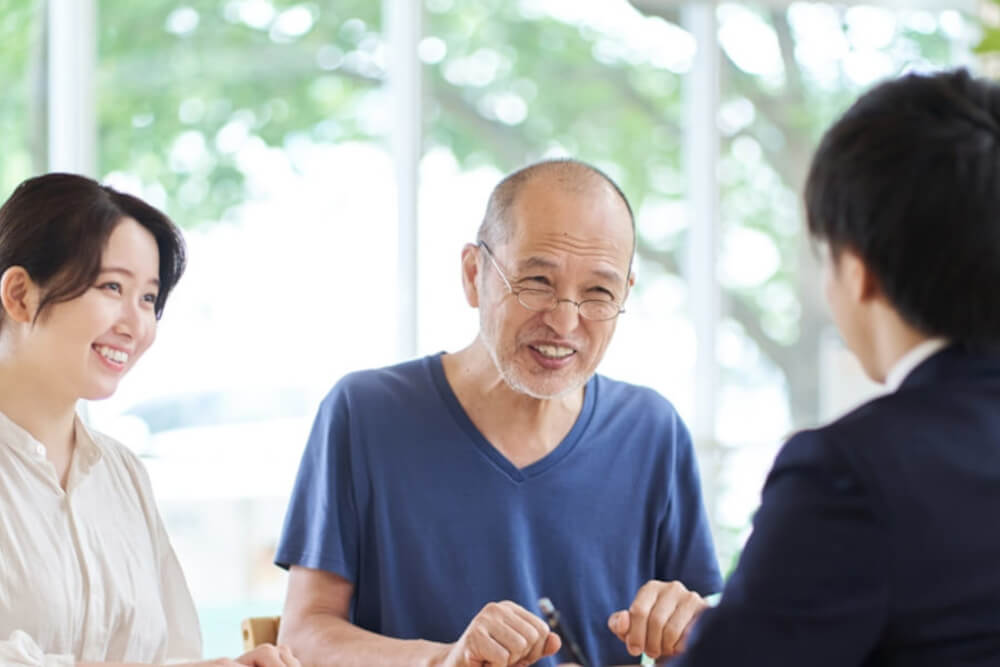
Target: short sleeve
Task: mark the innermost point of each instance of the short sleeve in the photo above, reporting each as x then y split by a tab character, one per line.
321	528
811	584
686	550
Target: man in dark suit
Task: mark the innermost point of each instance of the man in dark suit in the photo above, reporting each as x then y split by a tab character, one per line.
877	539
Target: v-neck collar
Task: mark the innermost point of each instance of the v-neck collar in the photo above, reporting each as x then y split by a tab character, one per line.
501	462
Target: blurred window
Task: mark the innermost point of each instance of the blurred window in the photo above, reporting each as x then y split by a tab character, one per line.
260	127
22	105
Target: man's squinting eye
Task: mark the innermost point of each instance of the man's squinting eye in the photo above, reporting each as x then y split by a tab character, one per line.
601	293
537	279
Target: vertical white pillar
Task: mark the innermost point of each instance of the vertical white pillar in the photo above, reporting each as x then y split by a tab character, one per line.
72	100
701	158
403	24
72	117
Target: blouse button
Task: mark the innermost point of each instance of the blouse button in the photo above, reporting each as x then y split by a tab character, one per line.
40	450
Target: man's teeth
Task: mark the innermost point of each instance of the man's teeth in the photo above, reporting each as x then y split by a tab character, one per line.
112	354
554	351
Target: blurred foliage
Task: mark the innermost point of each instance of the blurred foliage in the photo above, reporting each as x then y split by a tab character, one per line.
183	86
20	120
988	47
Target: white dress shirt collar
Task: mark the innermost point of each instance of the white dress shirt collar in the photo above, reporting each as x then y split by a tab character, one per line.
915	356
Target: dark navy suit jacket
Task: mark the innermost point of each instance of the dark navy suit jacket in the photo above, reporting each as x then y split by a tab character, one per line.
878	537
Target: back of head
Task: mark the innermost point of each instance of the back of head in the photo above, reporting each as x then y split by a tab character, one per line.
909	179
566	173
56	226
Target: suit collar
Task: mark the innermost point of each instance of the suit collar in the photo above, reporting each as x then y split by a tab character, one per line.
913	358
954	362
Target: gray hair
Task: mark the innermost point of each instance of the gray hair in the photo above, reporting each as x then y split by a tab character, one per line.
569	174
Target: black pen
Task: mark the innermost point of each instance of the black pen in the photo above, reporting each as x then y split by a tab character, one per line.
569	641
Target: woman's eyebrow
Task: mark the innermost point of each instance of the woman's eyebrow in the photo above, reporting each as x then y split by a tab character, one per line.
126	272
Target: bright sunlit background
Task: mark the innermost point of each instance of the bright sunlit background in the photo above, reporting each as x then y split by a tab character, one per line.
264	128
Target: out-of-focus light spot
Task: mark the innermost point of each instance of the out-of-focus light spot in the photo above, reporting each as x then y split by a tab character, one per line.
432	50
329	57
920	21
292	23
477	69
353	30
257	14
870	27
868	66
231	136
953	24
187	151
182	21
506	107
748	259
191	110
749	42
735	115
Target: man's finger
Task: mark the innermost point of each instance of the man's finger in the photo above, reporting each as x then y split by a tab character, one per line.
619	623
520	636
288	657
638	613
482	649
680	624
552	644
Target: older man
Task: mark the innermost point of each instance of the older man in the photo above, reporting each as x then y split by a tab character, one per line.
439	499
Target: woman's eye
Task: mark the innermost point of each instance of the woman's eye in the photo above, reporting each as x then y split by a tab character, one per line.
112	286
149	298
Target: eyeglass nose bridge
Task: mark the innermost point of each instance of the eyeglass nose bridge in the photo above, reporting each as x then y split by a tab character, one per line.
554	302
557	301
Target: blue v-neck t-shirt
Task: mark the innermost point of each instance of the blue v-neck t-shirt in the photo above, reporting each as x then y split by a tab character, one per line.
399	493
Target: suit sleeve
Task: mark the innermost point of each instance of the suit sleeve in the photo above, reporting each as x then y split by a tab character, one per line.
811	586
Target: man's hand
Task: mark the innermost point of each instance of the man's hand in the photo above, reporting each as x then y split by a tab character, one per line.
269	655
502	634
659	620
265	655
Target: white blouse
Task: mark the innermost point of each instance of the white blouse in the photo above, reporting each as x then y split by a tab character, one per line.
86	574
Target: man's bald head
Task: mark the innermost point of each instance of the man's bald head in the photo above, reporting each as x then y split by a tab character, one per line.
564	173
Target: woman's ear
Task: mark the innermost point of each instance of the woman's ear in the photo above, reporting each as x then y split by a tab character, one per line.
19	295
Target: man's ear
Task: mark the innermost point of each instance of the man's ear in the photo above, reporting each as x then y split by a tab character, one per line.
19	294
470	273
861	281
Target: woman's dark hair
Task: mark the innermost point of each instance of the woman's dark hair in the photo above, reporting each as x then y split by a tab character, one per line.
909	179
56	226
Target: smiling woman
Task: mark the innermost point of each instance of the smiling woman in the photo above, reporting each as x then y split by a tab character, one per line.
84	275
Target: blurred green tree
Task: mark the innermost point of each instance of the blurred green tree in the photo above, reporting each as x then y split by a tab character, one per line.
183	85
